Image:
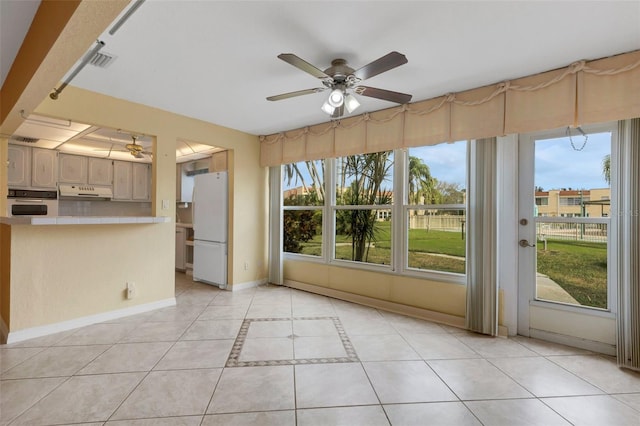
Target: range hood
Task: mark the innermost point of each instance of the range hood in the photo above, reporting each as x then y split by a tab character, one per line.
85	192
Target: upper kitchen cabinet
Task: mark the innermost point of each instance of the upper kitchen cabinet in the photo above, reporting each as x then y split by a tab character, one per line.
184	184
218	162
141	182
32	167
72	169
184	178
122	180
19	166
131	181
100	171
44	168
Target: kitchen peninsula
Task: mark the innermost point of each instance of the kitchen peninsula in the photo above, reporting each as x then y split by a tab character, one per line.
59	273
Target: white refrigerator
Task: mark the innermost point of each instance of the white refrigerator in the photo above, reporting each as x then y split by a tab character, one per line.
210	228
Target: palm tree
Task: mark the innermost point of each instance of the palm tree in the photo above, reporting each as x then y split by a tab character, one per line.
421	183
606	168
366	172
292	173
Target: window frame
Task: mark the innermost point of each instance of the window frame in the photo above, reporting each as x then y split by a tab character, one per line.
283	207
399	208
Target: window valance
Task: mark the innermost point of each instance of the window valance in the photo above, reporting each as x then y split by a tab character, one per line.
584	92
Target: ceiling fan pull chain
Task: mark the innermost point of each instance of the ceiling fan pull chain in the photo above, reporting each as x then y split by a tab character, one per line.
586	138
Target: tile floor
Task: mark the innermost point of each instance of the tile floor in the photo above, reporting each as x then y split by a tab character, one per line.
276	356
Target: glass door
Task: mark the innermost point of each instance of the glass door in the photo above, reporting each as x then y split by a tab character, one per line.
566	284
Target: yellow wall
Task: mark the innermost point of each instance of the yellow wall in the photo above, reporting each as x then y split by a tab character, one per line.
434	296
64	272
5	246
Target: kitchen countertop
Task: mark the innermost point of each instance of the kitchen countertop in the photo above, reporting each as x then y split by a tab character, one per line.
82	220
184	225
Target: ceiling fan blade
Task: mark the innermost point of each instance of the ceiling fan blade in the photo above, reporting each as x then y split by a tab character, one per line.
380	65
297	93
305	66
387	95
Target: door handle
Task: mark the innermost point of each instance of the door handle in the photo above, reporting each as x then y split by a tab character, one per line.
525	243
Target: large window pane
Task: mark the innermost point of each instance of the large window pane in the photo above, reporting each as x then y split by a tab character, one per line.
363	236
437	240
436	176
365	179
302	232
573	173
303	186
303	183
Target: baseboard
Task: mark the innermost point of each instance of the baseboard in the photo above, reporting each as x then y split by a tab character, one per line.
503	331
248	284
44	330
385	305
576	342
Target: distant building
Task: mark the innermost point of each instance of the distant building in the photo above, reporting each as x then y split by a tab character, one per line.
573	203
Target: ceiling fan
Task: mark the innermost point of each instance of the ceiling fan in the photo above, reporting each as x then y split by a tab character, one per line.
133	148
136	150
340	78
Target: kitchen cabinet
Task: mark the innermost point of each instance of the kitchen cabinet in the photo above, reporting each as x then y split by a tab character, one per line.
218	162
180	248
72	169
184	184
185	173
141	180
131	181
184	247
100	171
44	168
19	166
122	180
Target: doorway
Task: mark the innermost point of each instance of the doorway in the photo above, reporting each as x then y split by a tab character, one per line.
567	288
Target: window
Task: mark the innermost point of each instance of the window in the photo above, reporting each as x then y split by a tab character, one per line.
436	209
572	253
364	184
303	201
573	201
542	201
373	218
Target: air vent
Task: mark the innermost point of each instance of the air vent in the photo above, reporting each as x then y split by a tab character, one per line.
24	139
102	59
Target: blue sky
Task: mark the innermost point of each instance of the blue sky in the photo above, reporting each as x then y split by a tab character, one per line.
447	161
559	165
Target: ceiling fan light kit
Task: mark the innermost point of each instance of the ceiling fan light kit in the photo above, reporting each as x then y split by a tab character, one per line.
351	103
341	78
336	98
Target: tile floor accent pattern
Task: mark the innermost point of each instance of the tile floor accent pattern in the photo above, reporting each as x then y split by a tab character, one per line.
277	356
236	351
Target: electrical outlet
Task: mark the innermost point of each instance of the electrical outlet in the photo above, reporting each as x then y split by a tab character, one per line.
246	266
131	290
165	204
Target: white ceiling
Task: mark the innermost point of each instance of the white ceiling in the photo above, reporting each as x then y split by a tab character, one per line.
217	60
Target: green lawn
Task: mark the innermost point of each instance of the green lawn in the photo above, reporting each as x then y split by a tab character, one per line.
425	249
580	268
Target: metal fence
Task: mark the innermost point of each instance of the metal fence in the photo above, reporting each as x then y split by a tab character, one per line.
592	232
437	222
